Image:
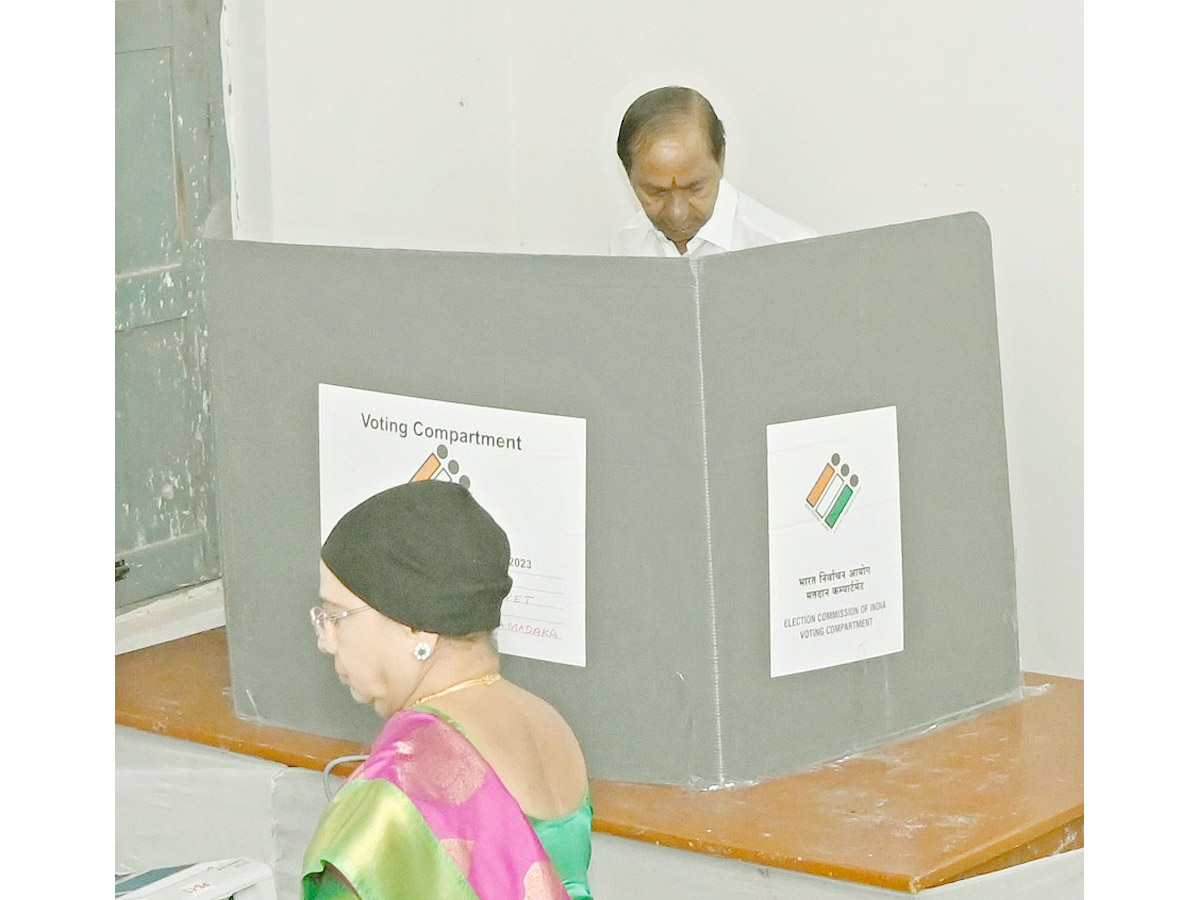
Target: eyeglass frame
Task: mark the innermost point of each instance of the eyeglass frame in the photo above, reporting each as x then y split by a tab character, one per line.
321	618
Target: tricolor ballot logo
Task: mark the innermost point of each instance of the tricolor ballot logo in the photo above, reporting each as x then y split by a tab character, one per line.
832	492
437	468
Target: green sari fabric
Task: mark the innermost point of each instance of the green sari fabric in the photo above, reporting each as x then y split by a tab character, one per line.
568	843
376	839
426	817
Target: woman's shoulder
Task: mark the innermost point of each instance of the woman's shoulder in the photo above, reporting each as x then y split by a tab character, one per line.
542	712
528	743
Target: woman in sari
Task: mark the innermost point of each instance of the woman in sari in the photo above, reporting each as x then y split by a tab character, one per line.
474	789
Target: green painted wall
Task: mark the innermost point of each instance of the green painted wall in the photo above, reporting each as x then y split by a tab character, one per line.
172	170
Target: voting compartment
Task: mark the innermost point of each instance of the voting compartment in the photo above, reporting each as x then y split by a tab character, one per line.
758	503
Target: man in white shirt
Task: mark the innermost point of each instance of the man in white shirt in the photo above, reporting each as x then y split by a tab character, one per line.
672	146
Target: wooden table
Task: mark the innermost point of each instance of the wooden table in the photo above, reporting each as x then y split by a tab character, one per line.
991	791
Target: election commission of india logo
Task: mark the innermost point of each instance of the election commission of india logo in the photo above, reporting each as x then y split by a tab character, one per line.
437	468
832	492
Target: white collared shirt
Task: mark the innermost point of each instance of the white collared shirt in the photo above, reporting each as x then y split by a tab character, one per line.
737	222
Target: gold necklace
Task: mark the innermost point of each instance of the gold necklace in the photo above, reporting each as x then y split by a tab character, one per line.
490	678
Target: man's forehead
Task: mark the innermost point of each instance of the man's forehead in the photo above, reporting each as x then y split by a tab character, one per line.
685	130
671	166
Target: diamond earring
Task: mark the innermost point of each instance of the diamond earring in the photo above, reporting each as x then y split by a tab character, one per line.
422	651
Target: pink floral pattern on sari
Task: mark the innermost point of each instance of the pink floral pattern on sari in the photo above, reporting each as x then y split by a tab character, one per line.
465	805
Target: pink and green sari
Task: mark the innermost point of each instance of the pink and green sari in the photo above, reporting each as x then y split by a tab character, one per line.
426	817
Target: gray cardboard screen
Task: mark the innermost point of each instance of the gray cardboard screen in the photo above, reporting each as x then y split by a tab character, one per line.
609	340
901	316
676	688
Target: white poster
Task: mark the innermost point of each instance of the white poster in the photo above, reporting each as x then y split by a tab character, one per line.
526	469
833	522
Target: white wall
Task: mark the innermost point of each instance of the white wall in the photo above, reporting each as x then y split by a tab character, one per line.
489	126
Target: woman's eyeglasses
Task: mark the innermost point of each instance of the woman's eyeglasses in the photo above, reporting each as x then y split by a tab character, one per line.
322	621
